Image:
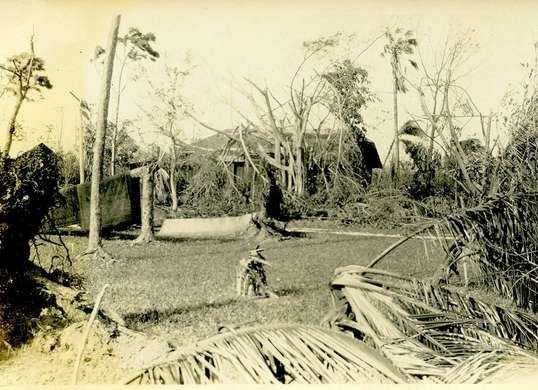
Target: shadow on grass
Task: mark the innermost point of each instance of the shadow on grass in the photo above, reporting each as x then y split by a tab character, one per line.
136	321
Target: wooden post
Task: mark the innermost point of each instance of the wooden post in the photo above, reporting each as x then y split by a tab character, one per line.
98	148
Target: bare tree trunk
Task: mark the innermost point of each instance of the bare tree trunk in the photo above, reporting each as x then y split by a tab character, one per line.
10	130
148	193
81	162
396	150
432	138
116	119
299	171
94	241
278	158
82	131
290	180
458	151
113	152
173	184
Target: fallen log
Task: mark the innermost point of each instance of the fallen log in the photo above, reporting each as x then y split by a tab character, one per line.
205	228
222	227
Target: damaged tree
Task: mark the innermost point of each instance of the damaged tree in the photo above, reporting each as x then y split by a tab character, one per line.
28	186
166	117
251	279
147	173
25	77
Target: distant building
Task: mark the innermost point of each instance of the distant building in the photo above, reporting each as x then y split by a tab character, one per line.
239	164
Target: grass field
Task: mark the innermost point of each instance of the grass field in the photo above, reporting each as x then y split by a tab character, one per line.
182	290
176	293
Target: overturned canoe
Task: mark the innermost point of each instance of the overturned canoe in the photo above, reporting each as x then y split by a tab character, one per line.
208	228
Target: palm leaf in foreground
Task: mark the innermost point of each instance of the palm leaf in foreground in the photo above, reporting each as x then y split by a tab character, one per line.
432	331
274	354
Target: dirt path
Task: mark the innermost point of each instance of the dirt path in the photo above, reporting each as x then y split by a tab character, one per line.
359	234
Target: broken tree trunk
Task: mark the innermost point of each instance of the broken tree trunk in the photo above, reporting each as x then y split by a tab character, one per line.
147	205
28	188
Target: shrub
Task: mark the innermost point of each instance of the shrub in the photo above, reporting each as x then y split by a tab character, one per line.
212	191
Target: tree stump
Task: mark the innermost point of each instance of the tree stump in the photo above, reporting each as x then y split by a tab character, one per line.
251	277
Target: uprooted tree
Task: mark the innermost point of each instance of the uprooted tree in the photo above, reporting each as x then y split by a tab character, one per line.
28	186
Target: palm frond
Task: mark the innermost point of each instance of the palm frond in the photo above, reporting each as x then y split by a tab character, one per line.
493	367
428	330
504	230
273	354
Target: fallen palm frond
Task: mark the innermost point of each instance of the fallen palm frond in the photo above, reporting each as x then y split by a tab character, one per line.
504	231
493	367
274	354
428	330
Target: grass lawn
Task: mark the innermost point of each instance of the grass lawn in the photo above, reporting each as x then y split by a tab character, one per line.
181	291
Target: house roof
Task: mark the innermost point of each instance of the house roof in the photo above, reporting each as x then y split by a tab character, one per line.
218	141
214	141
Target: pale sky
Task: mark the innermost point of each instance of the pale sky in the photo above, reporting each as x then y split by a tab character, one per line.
262	40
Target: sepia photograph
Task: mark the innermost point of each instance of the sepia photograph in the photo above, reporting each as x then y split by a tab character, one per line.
234	192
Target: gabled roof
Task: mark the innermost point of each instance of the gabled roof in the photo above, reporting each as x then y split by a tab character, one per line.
218	141
214	141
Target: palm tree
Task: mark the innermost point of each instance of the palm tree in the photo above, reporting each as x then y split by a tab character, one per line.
398	44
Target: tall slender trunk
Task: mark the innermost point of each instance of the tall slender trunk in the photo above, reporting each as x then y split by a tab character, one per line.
290	180
469	185
10	130
396	150
173	184
432	138
113	152
81	133
339	157
113	149
98	148
81	162
299	171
